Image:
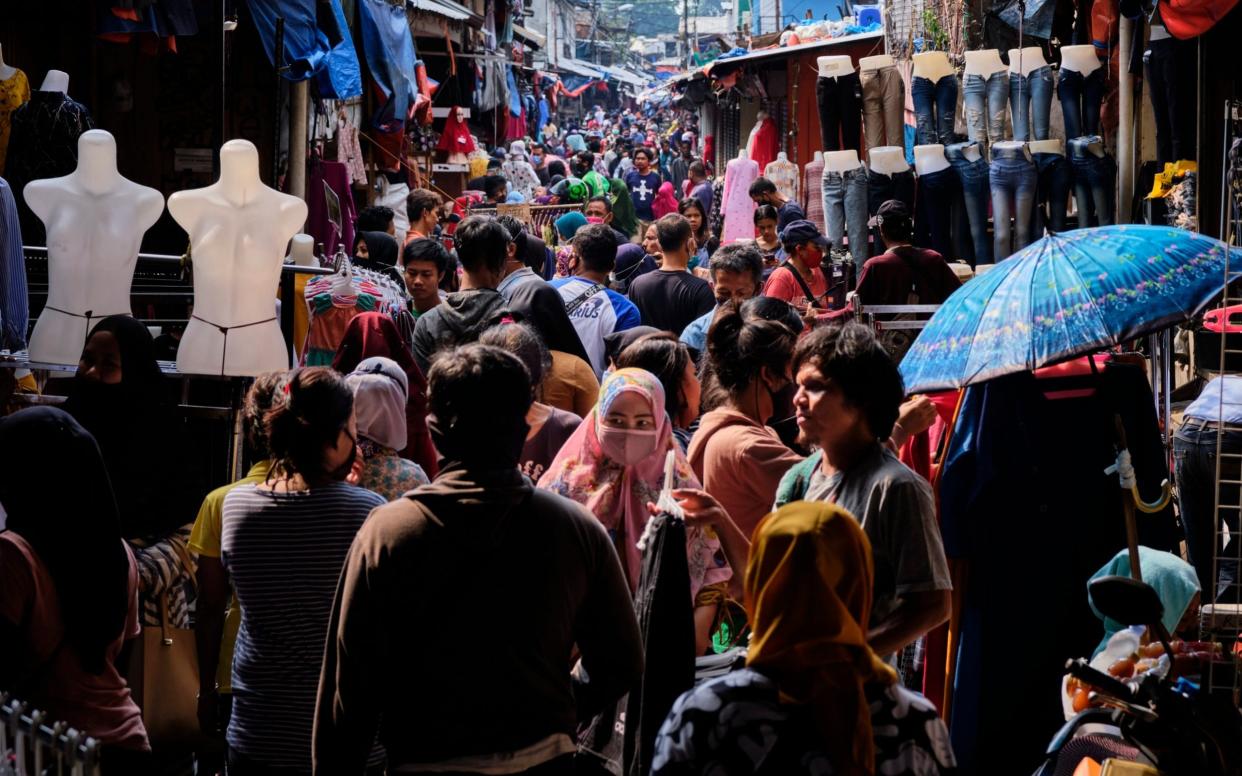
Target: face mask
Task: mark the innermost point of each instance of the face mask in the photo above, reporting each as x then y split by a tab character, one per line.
628	446
782	399
341	472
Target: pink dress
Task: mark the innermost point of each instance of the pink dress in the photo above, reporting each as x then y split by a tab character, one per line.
813	193
739	209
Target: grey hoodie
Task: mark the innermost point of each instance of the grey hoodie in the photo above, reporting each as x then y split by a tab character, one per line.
458	320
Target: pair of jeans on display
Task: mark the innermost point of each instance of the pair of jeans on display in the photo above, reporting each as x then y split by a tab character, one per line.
1170	65
986	100
884	102
840	108
845	209
1194	457
1013	180
973	177
880	189
934	105
1094	181
1081	99
1051	193
1030	101
939	196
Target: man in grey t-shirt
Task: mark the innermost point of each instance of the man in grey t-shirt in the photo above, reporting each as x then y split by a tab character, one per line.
849	394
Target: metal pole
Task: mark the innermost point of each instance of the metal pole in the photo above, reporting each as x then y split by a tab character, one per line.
1125	126
298	99
278	57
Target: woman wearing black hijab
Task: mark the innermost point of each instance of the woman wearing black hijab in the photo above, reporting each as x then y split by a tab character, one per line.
68	586
118	395
377	251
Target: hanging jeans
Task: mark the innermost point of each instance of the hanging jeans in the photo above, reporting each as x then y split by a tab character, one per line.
1013	181
934	105
845	206
1051	193
840	111
973	176
1170	66
986	100
884	103
1030	99
1094	181
880	189
1081	99
1194	457
937	193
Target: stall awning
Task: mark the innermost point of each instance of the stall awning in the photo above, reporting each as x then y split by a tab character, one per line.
578	67
626	77
448	9
728	65
530	36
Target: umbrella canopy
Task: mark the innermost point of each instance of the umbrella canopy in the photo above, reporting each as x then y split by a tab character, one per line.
1063	296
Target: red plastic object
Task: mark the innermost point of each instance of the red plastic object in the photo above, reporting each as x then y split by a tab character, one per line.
1226	320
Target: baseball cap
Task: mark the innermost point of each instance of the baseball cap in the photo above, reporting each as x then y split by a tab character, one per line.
803	231
892	210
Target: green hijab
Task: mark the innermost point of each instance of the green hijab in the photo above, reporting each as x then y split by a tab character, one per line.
624	219
1173	578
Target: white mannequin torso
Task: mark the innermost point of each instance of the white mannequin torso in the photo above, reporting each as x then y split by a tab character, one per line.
834	66
932	65
819	156
841	161
984	63
1025	60
1096	148
6	71
887	160
742	155
973	152
1011	145
95	220
238	230
867	64
929	159
302	250
1080	59
55	81
1046	147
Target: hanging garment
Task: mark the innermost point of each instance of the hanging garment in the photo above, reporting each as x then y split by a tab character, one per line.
764	143
391	58
393	195
456	139
14	93
715	219
14	305
812	193
335	175
43	143
308	48
784	175
330	314
349	151
739	209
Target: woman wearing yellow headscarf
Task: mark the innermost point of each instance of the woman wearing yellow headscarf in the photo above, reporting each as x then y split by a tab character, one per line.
813	697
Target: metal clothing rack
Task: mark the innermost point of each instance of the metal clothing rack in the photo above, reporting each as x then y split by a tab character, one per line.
33	745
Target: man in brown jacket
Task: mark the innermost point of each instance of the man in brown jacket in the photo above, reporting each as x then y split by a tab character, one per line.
461	604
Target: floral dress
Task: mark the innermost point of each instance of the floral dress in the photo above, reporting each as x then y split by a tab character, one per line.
386	473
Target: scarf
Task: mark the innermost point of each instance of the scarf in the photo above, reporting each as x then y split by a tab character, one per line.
381	391
617	495
665	202
1173	579
624	218
568	225
808	593
381	249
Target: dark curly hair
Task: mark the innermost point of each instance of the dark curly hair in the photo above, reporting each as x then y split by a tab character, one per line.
740	347
850	356
258	401
316	404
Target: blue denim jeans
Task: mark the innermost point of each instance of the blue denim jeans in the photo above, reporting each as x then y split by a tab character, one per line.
1094	181
880	189
938	193
845	209
1013	181
1081	99
1171	83
1052	194
1030	98
985	102
1194	458
975	186
934	105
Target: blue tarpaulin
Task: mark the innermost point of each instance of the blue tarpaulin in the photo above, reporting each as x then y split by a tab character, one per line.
1037	22
328	55
389	49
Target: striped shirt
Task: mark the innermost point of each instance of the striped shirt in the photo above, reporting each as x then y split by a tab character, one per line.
14	312
284	553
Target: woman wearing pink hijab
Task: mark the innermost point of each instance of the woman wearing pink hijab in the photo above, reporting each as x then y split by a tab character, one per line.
614	466
665	201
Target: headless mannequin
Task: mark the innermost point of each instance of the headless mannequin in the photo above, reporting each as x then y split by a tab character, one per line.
1024	61
302	251
887	160
782	157
741	154
973	152
867	64
55	81
238	230
6	71
929	159
1096	148
1080	59
985	63
835	66
819	156
1013	144
1047	146
841	161
932	65
95	219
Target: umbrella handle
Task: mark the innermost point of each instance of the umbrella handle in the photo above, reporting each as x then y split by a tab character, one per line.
1152	507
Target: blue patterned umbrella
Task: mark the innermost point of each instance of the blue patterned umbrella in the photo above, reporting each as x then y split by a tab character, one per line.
1064	296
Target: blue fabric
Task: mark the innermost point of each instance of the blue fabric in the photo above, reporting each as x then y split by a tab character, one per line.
14	305
1209	405
695	334
543	114
515	97
1063	296
310	51
389	49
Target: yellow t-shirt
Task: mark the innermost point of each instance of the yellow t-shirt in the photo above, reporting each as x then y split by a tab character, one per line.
14	92
205	540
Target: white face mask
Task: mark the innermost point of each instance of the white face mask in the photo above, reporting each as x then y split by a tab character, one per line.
628	446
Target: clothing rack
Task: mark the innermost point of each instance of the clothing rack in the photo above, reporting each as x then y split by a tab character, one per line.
41	747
